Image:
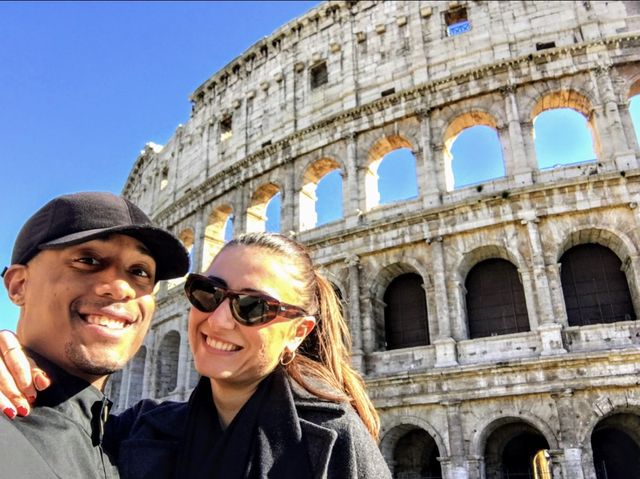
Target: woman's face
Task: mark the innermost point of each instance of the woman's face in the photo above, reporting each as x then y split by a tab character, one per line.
229	352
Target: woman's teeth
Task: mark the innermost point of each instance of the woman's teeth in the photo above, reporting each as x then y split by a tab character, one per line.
222	346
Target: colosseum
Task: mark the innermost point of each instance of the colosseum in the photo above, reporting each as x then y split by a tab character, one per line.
494	321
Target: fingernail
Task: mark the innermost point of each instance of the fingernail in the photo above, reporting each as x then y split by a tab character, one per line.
9	412
39	382
22	411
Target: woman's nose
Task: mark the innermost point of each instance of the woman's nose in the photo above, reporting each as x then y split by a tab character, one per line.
221	317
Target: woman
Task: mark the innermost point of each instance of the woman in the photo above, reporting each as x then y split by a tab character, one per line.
278	396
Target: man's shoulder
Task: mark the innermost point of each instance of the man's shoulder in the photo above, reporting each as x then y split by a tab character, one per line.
19	458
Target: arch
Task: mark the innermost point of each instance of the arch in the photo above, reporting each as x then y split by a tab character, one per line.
313	175
187	237
405	312
617	241
495	299
215	232
257	211
136	375
615	444
634	107
564	104
167	364
395	427
594	286
376	155
416	455
484	252
491	422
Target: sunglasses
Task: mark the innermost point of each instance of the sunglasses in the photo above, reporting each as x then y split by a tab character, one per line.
206	294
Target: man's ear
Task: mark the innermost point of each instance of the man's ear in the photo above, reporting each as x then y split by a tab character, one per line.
15	280
303	328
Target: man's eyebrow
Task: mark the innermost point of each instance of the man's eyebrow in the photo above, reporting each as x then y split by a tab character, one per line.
144	250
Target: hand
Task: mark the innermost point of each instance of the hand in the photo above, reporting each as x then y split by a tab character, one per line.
20	378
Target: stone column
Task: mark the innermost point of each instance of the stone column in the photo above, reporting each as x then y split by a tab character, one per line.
557	297
290	219
526	127
530	297
197	252
522	162
241	202
475	467
569	459
456	467
440	170
627	125
446	354
549	330
183	359
355	319
149	363
613	140
426	160
352	211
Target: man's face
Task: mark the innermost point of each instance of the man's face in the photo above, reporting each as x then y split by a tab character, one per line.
86	307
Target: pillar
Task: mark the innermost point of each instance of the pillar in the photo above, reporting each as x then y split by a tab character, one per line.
523	163
355	319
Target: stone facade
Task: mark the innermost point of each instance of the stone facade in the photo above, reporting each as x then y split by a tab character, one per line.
349	82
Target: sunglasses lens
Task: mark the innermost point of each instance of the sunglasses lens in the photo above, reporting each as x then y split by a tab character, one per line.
204	296
251	309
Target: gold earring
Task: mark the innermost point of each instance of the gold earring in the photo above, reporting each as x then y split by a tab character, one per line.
286	362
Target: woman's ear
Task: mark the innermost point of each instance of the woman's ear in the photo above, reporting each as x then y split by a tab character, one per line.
302	329
15	280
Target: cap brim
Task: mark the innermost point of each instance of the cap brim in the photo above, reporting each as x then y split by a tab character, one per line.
170	255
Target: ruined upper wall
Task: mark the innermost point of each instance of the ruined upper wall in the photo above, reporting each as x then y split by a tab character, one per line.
265	102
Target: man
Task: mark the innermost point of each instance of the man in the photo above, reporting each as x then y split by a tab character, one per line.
83	273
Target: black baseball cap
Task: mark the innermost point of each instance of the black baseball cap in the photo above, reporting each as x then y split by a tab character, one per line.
76	218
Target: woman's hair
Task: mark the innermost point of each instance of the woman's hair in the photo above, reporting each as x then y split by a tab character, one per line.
325	354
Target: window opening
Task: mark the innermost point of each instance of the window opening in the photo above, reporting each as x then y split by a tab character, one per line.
272	223
319	75
226	128
476	156
397	176
164	178
457	21
329	198
545	45
405	313
634	110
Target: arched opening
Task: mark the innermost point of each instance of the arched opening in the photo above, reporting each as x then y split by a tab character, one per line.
415	456
215	233
594	286
391	175
274	206
473	153
563	130
257	211
511	451
615	443
167	364
136	368
321	194
405	312
495	299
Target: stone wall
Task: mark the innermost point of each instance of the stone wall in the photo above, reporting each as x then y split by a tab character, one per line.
269	122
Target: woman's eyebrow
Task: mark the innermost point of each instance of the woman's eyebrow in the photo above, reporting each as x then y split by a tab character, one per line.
221	281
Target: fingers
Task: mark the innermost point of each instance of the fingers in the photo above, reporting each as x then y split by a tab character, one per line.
12	400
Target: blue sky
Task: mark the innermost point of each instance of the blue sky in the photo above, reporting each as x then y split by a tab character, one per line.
85	85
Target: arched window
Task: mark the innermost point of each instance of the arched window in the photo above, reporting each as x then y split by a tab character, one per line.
416	456
167	364
595	289
391	174
321	194
405	313
187	238
473	152
512	449
616	447
634	110
262	210
563	131
495	299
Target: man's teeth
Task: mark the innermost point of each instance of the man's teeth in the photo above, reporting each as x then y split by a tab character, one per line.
222	346
105	321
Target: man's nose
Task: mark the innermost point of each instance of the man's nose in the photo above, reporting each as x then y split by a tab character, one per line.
116	287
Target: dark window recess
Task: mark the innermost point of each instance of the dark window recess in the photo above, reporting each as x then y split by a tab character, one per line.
545	45
164	178
319	75
595	289
457	21
388	92
405	313
266	143
226	128
495	300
